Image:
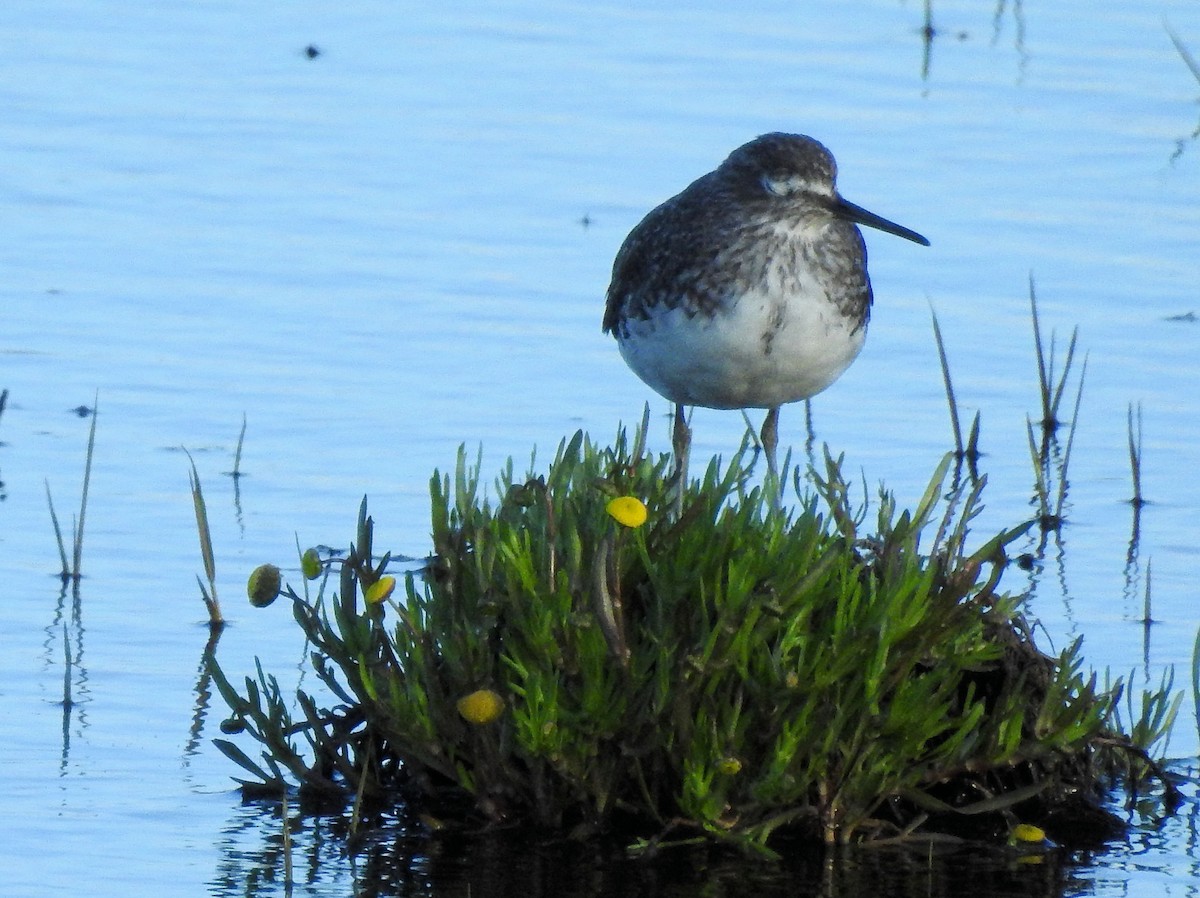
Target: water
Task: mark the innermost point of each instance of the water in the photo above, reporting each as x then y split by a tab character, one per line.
402	245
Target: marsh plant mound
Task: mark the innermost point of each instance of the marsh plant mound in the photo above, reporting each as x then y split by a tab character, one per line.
574	657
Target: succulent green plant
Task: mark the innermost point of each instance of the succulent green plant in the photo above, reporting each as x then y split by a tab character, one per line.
575	656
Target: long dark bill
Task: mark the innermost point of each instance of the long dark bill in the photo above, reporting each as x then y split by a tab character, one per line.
859	215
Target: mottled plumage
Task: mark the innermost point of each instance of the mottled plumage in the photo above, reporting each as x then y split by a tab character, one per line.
749	289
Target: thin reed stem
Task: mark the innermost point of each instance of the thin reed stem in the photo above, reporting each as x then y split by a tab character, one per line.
1066	461
215	618
77	553
237	455
1135	455
951	401
1147	619
1050	388
62	548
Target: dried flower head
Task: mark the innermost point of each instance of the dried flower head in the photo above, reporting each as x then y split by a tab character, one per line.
264	585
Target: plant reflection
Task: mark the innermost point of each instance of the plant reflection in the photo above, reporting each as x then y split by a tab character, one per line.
75	687
203	695
400	857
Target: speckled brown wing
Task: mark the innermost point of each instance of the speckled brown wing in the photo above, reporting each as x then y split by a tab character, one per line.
672	256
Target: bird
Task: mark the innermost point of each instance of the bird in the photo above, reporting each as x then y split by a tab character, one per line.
748	289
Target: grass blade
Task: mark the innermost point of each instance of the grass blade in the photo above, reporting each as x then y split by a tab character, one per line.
237	454
62	548
1188	59
959	451
1135	455
1066	460
215	617
77	553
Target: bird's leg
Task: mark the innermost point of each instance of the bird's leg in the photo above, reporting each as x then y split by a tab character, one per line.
770	442
681	442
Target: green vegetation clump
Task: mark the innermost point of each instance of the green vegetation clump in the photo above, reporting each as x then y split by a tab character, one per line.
575	657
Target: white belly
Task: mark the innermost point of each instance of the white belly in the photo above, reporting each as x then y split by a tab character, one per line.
760	352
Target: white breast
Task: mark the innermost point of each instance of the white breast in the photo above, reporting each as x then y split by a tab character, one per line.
767	348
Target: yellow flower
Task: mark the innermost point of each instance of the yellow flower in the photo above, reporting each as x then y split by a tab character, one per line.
310	564
1027	832
380	590
628	511
481	707
263	585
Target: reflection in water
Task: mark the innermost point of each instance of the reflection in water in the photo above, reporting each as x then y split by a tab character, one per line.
1050	478
1132	587
1050	459
1190	61
3	405
401	858
203	694
237	474
1131	556
253	860
237	502
75	689
1018	14
68	704
1132	566
1147	621
929	31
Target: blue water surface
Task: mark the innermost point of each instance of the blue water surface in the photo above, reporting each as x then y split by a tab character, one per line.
400	244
